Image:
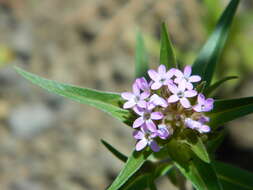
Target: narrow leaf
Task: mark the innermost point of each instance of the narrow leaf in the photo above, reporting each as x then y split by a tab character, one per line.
141	58
105	101
209	55
201	174
216	85
233	178
140	183
167	55
199	149
134	162
230	109
114	151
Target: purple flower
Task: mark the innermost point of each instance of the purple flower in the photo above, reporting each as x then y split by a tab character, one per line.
135	98
202	128
158	101
163	131
147	117
145	137
204	119
161	77
142	83
186	77
181	94
204	105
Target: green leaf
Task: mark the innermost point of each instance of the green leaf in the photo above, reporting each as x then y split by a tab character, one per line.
215	139
209	55
140	182
233	178
230	109
199	149
141	58
213	87
108	102
134	162
201	174
167	55
114	151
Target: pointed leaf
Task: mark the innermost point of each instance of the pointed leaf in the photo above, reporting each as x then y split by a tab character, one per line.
167	55
114	151
230	109
141	58
140	183
216	85
105	101
233	178
133	164
201	174
199	149
208	57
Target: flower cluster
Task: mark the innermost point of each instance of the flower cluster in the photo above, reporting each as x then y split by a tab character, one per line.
167	103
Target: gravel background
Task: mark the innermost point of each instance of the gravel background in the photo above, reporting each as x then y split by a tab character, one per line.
47	142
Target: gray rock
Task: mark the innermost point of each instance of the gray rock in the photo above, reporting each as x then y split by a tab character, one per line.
27	121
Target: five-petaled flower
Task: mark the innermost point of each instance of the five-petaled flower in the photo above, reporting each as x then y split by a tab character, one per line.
186	77
161	77
204	105
180	93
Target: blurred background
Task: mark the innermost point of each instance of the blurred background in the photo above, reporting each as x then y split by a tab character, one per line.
48	142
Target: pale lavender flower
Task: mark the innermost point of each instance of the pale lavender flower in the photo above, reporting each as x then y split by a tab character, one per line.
161	77
203	105
147	116
163	131
181	94
158	101
202	128
145	137
204	119
186	77
134	98
143	85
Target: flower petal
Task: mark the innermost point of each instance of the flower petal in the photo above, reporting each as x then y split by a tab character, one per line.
156	115
141	144
190	93
142	103
173	88
129	104
154	146
185	103
151	125
201	98
138	122
189	86
158	101
136	89
162	69
138	135
156	85
187	71
197	108
204	129
153	75
194	78
127	95
178	73
173	98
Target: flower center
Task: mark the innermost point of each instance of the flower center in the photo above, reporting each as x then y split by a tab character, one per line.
146	116
137	99
162	80
180	94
